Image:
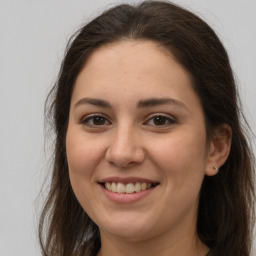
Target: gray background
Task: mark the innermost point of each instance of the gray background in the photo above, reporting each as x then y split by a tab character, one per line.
33	35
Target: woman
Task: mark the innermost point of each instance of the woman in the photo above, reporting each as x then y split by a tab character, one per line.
150	155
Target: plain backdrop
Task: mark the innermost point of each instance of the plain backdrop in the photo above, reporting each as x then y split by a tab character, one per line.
33	35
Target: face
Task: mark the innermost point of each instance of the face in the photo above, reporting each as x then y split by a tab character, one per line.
136	142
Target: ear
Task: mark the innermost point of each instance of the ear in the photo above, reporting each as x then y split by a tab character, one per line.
218	149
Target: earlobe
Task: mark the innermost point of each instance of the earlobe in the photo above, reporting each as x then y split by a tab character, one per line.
211	171
219	149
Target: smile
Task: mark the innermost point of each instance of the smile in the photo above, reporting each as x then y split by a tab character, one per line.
121	188
127	190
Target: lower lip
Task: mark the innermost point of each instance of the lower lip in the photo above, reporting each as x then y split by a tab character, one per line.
126	198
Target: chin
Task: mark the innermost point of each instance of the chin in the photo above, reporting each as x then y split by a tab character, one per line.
127	229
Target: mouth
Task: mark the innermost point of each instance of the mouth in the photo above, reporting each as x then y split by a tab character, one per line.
128	188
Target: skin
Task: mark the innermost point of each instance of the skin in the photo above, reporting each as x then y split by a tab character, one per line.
129	141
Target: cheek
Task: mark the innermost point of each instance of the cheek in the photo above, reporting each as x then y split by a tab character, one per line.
180	150
82	154
83	157
181	159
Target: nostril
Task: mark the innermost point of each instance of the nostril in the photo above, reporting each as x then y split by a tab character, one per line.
124	153
122	163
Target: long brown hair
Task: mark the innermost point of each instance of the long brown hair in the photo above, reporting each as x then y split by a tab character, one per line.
226	210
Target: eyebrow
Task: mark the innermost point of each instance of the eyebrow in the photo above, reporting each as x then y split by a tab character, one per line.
93	101
151	102
160	101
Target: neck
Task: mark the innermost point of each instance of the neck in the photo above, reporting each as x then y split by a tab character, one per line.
181	245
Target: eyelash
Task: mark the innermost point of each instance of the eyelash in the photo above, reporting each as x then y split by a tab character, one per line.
93	117
163	117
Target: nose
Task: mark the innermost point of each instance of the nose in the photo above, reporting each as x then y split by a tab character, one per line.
125	148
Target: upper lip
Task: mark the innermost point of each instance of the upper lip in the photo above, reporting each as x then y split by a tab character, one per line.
126	180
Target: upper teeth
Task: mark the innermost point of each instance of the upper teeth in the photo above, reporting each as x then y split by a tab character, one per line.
127	188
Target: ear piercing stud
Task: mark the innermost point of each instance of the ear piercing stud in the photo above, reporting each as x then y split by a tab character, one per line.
216	168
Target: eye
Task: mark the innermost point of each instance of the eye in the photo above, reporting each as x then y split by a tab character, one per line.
160	120
95	120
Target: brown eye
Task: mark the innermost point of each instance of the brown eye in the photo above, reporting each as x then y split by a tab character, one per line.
161	121
98	120
95	121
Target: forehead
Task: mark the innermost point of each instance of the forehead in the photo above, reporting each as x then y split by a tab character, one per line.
133	68
124	55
